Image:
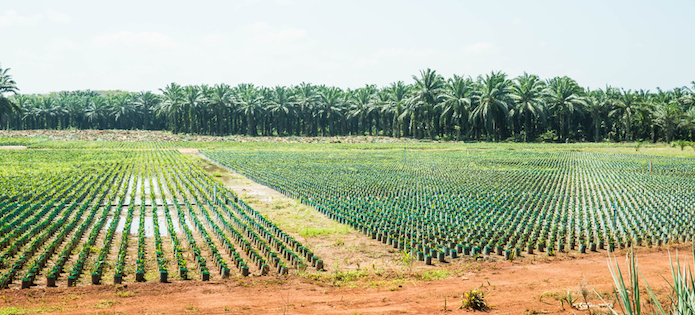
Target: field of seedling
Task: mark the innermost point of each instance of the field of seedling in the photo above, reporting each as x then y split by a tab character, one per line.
185	216
441	204
71	217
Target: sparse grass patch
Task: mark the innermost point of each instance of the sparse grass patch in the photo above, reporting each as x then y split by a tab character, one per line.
106	303
314	232
550	295
14	310
432	275
124	294
295	217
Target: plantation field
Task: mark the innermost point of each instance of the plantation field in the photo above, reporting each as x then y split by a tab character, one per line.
116	216
444	204
364	225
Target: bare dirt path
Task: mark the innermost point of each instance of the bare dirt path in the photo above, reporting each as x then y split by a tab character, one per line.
339	246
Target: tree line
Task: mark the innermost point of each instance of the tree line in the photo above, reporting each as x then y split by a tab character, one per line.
492	107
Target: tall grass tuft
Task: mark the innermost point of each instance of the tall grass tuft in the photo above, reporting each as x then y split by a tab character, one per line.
681	299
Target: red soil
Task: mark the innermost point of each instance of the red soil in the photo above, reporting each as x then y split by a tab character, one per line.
530	286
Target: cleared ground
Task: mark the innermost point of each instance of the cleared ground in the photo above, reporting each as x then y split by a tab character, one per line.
519	287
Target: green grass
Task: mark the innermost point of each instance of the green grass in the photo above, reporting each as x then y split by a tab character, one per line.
433	275
314	232
124	294
681	289
106	303
295	217
14	310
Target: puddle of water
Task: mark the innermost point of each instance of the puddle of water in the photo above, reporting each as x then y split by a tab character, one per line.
149	227
175	223
146	186
163	227
135	225
129	190
190	224
107	224
121	224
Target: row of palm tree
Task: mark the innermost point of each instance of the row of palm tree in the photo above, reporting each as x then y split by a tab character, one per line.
491	107
7	85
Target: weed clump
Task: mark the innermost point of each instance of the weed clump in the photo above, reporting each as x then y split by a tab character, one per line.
474	300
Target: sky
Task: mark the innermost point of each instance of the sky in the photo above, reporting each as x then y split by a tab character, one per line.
145	45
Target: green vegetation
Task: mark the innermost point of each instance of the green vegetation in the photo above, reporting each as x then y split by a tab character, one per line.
681	291
474	300
7	85
441	204
60	212
105	303
489	107
13	310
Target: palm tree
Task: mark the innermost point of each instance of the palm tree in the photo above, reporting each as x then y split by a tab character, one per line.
529	95
625	107
456	102
146	103
222	100
644	115
306	98
173	99
25	107
668	116
689	98
95	111
192	99
689	122
250	104
204	110
7	85
398	99
493	100
361	107
280	106
122	110
74	108
428	91
597	105
564	99
47	108
330	107
381	101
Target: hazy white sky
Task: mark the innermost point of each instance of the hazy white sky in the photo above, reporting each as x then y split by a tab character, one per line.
144	45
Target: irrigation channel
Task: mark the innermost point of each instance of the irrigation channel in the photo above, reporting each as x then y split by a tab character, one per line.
439	205
133	216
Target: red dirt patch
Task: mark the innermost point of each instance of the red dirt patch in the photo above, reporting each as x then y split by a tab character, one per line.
511	287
